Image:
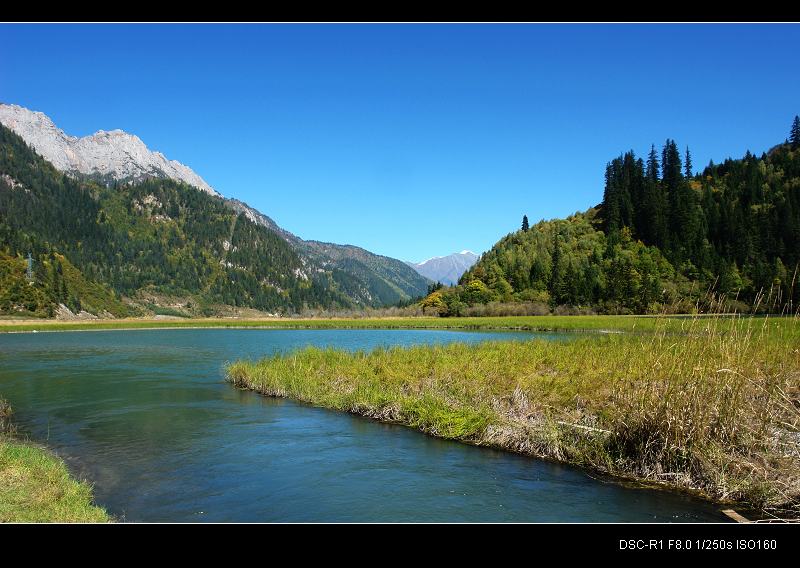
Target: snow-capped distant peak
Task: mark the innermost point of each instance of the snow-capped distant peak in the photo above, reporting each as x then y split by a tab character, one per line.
446	269
113	153
463	252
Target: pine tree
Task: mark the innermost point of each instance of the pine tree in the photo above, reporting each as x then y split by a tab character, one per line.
652	164
688	164
611	215
671	165
794	136
525	223
654	211
672	183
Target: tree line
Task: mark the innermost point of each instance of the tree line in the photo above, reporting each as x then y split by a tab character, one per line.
661	238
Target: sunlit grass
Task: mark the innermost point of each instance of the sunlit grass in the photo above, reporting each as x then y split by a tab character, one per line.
35	486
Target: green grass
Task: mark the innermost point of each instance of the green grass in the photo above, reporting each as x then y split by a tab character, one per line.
35	485
645	324
704	404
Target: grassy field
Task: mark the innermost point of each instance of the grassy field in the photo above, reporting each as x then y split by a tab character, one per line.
645	324
35	485
704	404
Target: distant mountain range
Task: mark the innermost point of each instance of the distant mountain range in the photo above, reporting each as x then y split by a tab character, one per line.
446	269
307	273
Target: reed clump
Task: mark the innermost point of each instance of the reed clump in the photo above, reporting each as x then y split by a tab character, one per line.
707	404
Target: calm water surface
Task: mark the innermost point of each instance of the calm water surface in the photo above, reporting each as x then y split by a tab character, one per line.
147	417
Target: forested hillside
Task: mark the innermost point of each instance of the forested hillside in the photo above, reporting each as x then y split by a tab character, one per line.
354	276
54	280
366	278
661	239
373	279
159	235
738	221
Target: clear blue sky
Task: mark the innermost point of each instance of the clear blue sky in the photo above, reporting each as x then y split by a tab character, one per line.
411	140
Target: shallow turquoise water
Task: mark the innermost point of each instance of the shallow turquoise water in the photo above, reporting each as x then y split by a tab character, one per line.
147	417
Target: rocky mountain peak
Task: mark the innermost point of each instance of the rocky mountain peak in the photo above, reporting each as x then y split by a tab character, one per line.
114	154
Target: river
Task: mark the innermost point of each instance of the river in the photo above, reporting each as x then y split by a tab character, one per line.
147	418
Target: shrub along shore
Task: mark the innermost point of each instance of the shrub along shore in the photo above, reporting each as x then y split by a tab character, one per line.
35	485
705	404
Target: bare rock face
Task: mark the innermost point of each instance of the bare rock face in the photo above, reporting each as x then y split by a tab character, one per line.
64	313
115	154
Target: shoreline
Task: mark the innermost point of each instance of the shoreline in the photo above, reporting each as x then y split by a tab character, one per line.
674	421
35	484
618	478
602	476
599	324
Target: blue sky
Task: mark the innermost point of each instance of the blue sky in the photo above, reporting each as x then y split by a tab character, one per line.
411	140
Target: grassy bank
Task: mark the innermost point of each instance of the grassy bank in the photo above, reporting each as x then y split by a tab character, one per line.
715	408
533	323
35	485
646	324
